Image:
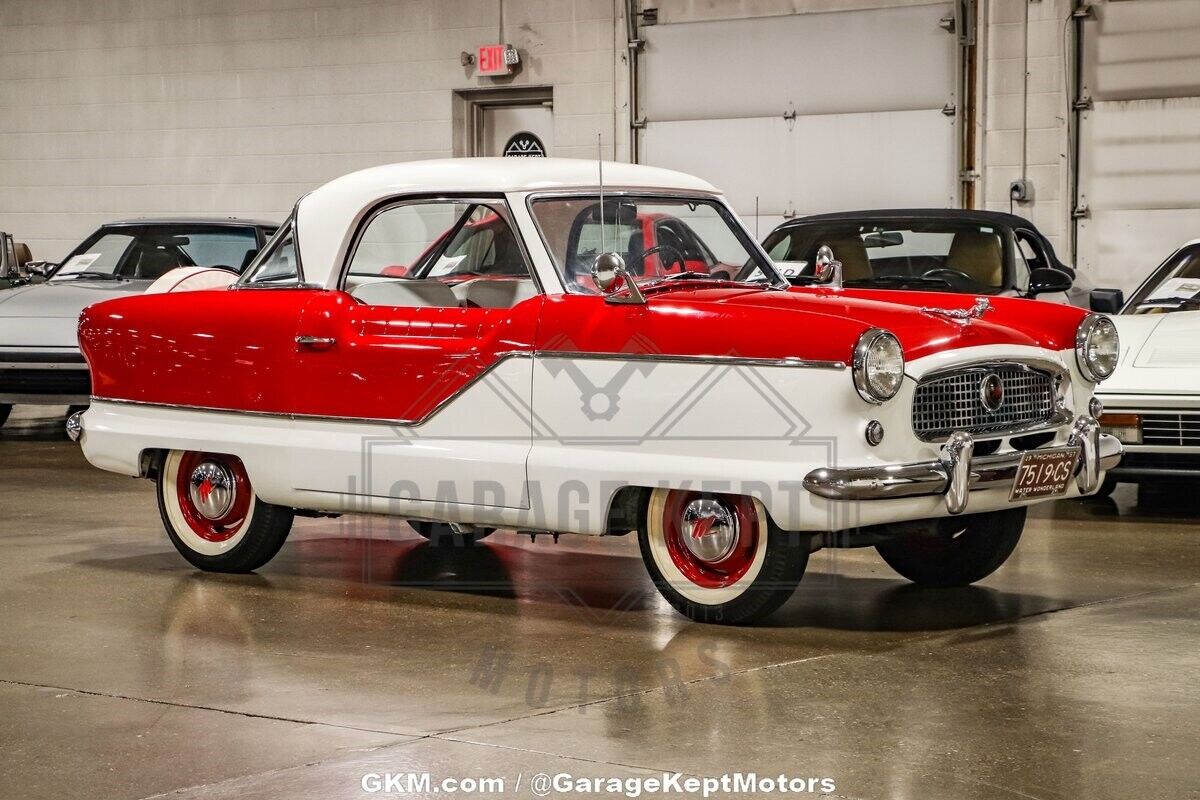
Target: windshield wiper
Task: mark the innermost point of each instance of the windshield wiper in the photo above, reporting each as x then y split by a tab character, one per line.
1170	302
659	283
100	276
899	280
683	276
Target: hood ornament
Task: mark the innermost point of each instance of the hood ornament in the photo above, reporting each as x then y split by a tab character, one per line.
982	306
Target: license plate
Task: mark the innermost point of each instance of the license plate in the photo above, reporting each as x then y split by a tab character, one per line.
1044	474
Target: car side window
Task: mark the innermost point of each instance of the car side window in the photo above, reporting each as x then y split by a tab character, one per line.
443	253
780	250
279	264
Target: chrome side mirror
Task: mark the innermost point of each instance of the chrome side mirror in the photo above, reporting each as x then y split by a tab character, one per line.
828	270
612	276
41	269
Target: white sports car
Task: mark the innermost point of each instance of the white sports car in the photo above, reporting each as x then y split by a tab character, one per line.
1152	400
40	362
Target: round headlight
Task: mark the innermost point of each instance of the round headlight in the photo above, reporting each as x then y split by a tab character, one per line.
1097	347
878	366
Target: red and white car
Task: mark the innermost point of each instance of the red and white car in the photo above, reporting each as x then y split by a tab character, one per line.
536	379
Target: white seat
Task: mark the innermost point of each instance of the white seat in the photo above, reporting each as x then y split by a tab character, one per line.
495	292
406	292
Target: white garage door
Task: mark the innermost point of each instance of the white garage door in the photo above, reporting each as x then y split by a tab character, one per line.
808	112
1139	159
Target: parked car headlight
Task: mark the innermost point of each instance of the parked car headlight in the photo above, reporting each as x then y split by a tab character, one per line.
878	365
1097	347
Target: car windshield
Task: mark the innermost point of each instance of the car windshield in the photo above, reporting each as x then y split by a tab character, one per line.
150	251
659	239
1174	286
945	255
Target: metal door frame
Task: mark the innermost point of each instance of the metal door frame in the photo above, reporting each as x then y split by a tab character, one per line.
470	104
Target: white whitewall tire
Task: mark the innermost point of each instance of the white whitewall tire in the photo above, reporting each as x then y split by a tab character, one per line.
718	557
212	516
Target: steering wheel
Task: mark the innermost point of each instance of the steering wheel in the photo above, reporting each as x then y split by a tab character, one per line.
946	272
663	248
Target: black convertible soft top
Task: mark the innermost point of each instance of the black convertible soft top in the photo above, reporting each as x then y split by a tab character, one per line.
957	214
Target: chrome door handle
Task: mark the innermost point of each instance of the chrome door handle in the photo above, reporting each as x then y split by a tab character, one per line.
316	342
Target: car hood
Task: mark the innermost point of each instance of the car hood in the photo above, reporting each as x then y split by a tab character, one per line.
912	316
46	314
1160	354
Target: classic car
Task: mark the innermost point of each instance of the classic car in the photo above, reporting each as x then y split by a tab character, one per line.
14	256
1152	400
735	424
936	249
40	362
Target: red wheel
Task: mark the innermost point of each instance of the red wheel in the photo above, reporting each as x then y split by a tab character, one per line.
718	557
713	540
212	515
212	492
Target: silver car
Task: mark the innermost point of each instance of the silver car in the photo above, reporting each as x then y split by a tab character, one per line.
40	362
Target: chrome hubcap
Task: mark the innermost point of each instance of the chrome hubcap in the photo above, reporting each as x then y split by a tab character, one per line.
710	529
212	490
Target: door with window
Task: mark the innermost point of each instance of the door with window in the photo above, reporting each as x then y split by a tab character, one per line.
426	356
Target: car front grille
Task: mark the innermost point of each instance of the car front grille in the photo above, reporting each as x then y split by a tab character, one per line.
75	382
1179	430
953	401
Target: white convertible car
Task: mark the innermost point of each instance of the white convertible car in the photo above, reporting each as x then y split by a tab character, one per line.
1152	400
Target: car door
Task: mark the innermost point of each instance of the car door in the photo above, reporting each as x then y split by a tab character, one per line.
420	388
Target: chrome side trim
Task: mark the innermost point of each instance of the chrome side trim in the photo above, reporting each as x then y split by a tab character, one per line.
738	361
68	366
944	476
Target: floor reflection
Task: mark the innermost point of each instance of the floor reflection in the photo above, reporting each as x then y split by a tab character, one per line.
35	423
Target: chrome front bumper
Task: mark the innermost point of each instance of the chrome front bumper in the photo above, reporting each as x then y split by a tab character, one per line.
957	472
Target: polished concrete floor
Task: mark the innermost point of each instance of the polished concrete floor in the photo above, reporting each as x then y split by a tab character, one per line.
1071	673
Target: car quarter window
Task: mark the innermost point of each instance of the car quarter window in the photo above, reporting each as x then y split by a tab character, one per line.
444	253
278	264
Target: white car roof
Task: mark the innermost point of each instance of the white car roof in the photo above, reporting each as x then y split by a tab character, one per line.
327	216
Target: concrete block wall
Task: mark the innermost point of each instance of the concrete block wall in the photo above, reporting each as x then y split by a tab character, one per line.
1035	117
134	107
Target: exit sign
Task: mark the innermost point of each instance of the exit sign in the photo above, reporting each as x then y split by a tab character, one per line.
496	59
